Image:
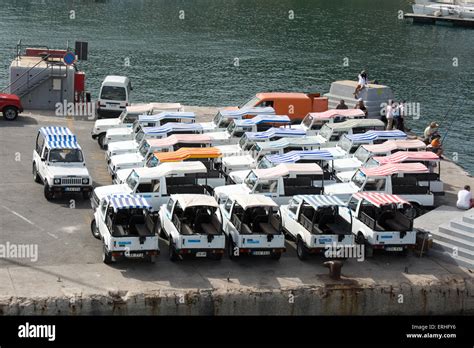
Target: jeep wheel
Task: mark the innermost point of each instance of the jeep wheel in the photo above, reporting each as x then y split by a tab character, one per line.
36	176
100	140
10	113
106	256
230	249
48	194
301	251
159	229
173	254
95	230
275	255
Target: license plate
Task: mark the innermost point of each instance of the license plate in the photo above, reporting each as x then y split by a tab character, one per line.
260	253
72	189
201	254
135	255
394	248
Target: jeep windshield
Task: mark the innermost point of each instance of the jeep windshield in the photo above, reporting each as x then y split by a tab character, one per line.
66	156
140	135
345	144
221	121
250	103
362	154
251	180
308	121
359	179
265	163
144	148
326	132
132	180
152	161
113	93
243	142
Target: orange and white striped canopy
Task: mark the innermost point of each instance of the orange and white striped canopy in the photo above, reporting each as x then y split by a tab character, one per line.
186	153
380	199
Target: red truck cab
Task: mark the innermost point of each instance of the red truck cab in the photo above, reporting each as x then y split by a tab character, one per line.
295	105
10	106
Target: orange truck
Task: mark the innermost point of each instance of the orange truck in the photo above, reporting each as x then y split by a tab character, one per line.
295	105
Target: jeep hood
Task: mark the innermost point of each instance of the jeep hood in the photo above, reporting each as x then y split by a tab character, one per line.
122	145
345	188
104	191
238	176
127	158
67	171
345	164
222	192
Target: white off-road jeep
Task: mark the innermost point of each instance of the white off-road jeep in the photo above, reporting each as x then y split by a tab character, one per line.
193	226
58	162
381	221
252	225
125	224
314	222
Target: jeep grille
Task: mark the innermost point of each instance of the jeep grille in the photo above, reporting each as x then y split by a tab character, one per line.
71	181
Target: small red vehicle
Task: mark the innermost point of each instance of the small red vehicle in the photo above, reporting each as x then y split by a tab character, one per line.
10	106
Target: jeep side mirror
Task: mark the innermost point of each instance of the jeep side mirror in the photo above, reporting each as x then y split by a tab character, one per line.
43	159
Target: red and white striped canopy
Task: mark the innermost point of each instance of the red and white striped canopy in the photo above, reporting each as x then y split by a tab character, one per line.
380	199
408	156
392	145
396	168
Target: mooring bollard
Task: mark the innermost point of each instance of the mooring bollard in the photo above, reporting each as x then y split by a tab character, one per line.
334	268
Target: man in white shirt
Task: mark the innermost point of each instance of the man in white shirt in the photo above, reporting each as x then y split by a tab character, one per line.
465	201
363	82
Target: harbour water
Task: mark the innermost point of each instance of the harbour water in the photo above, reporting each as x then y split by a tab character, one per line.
209	52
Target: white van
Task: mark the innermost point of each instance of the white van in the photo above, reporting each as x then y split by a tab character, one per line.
114	96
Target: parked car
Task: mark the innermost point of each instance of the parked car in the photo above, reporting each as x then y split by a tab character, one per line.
58	163
314	121
124	224
114	96
381	221
252	224
10	106
331	133
193	226
223	117
314	222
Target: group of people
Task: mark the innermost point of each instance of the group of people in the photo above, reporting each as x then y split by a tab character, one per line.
394	115
432	139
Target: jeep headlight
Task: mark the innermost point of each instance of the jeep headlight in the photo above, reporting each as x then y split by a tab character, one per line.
57	181
85	181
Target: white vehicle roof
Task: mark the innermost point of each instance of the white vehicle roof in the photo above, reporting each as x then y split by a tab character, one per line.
167	115
126	201
349	124
179	138
317	201
170	168
286	142
263	119
395	168
113	80
295	156
333	113
195	200
392	145
239	113
275	132
59	138
286	169
249	201
173	126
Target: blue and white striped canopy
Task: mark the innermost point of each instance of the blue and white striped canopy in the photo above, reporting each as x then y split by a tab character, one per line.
56	131
295	156
167	115
317	201
374	135
281	119
128	202
173	127
247	111
63	144
276	132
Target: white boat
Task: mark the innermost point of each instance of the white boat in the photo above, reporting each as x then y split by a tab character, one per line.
453	8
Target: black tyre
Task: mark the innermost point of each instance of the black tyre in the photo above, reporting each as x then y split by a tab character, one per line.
106	256
275	255
230	249
48	194
172	253
301	250
94	230
159	230
100	140
10	113
36	176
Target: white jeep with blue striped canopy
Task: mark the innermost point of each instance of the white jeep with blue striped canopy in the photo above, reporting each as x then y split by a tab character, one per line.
58	162
125	224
